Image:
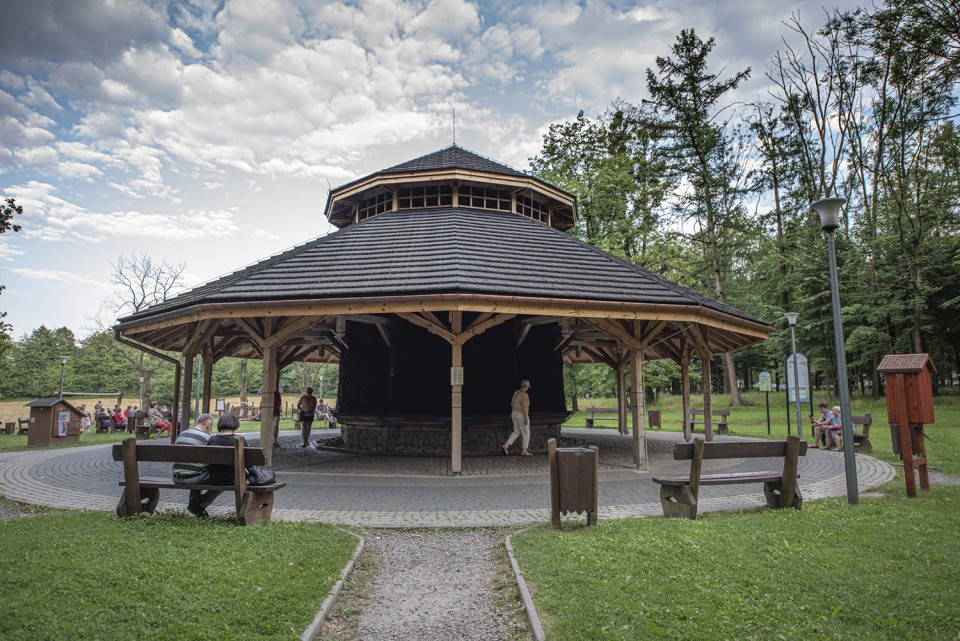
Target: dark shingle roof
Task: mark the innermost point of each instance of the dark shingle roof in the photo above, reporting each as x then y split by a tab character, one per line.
436	251
452	157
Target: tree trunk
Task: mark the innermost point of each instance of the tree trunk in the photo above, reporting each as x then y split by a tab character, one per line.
243	381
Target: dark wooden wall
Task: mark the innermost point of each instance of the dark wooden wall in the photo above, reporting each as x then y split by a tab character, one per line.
414	377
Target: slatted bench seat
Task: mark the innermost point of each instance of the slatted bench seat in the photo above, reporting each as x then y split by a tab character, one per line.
679	494
862	437
254	504
593	411
720	418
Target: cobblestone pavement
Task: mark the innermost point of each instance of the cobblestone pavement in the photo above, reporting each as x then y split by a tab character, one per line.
420	492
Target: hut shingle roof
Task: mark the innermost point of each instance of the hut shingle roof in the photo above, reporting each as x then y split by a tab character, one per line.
441	251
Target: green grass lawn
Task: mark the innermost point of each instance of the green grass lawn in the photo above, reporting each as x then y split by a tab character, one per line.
943	444
86	575
887	569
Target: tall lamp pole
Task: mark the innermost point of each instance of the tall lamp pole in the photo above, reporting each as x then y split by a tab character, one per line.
321	386
141	393
63	367
792	321
829	211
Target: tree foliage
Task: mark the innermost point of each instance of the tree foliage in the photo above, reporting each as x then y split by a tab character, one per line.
863	107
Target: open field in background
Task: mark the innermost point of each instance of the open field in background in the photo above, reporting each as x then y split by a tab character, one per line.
888	569
88	578
943	444
11	410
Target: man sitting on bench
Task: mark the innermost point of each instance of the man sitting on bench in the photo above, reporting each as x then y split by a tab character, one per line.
196	473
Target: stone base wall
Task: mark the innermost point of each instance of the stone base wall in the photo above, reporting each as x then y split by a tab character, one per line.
414	439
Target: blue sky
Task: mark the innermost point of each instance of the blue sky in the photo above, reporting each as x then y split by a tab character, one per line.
209	131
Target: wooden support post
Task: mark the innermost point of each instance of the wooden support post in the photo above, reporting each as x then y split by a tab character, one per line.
187	396
554	483
636	408
707	400
456	402
266	402
622	397
207	379
685	382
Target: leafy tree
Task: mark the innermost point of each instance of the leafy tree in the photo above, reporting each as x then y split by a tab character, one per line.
36	362
8	212
689	100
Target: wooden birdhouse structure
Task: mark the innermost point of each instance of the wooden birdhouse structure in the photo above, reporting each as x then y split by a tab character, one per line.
909	382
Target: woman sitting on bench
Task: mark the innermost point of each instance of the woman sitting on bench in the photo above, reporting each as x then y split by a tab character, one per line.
156	419
226	428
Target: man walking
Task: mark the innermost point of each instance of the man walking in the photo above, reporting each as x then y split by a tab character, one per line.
520	414
196	473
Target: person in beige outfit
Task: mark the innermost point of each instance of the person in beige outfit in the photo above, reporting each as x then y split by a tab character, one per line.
520	406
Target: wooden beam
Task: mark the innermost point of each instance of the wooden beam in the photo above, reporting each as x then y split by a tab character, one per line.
637	408
384	334
573	308
431	327
480	319
251	329
289	330
187	388
456	400
476	329
270	373
207	355
617	331
523	335
204	332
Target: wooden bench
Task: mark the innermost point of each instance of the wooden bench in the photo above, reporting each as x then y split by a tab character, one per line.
103	422
679	494
593	411
720	418
862	437
24	425
254	504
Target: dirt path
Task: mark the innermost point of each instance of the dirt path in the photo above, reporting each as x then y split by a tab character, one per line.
432	584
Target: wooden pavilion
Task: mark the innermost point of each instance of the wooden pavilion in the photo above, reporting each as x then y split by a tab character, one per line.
449	279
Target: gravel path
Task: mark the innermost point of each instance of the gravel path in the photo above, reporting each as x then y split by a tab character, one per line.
433	585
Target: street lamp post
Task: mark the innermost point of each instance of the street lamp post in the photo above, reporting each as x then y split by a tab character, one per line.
829	211
321	386
792	321
141	392
63	367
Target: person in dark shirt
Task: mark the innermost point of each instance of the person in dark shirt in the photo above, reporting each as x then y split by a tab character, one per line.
226	428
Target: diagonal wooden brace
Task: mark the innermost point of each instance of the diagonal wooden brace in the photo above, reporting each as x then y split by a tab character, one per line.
678	501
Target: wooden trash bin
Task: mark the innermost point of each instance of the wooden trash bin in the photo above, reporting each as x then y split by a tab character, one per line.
9	427
574	481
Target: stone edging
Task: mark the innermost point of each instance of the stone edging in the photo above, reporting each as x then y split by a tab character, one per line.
532	615
314	628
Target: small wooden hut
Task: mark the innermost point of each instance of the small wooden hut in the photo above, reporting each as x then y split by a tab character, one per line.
451	278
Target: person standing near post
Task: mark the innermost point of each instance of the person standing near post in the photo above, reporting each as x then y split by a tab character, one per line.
307	406
520	414
277	411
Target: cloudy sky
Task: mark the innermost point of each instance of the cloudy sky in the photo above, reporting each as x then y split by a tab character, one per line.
209	131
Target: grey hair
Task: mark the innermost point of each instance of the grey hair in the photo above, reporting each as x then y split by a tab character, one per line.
206	418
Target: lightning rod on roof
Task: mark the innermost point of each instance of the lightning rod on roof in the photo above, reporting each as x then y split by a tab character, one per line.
454	110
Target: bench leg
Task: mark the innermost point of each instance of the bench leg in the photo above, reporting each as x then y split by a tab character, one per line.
678	501
149	498
772	490
722	428
255	507
863	442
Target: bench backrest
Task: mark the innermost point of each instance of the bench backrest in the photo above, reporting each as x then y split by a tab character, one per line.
216	454
602	410
866	419
713	412
749	449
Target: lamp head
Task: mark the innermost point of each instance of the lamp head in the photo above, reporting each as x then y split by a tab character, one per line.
829	211
63	360
792	318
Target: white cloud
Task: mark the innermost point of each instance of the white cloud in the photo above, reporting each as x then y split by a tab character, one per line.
8	251
449	18
72	278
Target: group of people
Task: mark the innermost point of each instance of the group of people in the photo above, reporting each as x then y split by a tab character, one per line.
828	429
105	416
